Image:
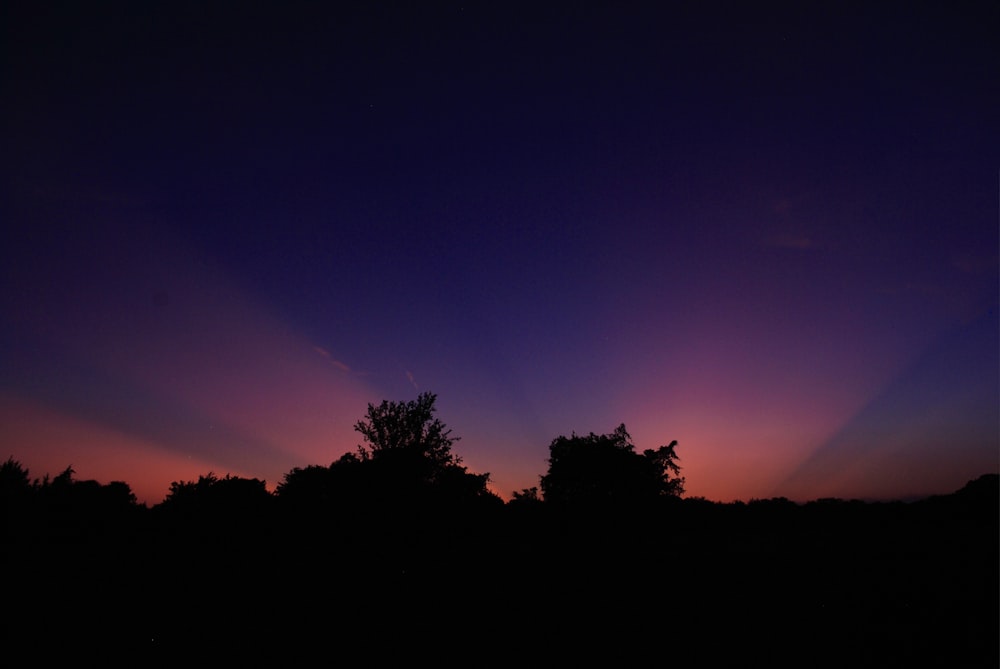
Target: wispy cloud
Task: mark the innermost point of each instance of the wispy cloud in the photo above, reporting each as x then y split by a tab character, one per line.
409	375
333	361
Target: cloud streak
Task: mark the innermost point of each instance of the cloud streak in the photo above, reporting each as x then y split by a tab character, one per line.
333	361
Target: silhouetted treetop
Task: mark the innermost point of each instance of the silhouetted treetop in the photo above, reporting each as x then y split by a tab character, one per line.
665	467
14	478
213	494
399	429
405	462
309	486
596	470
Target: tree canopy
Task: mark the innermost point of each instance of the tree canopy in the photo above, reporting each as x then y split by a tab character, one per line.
408	448
406	457
606	470
392	429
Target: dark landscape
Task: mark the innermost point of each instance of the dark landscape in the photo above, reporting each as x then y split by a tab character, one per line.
399	554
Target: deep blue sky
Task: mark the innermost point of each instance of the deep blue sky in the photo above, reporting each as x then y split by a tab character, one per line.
767	231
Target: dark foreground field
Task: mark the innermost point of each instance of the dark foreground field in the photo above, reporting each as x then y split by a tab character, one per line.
692	583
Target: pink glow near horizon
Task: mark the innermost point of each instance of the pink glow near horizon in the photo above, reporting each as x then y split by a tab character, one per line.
46	442
747	398
227	364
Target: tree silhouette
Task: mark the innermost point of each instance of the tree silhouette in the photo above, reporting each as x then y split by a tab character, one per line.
231	502
14	478
407	431
405	462
665	469
307	488
16	496
604	470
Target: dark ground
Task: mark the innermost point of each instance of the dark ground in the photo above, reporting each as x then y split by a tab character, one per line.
829	583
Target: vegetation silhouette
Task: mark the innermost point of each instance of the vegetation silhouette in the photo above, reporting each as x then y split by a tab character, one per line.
601	471
407	451
401	493
398	551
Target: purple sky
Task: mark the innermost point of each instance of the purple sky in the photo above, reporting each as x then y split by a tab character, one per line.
768	233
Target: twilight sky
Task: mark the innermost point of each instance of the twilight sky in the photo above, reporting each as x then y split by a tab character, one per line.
769	232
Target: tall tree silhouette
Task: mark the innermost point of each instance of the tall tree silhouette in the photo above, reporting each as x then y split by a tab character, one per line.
405	462
394	428
407	449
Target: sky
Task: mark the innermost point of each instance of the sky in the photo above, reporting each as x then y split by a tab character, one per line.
768	231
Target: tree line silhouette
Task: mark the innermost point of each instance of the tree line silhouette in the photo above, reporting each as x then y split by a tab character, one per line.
400	547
